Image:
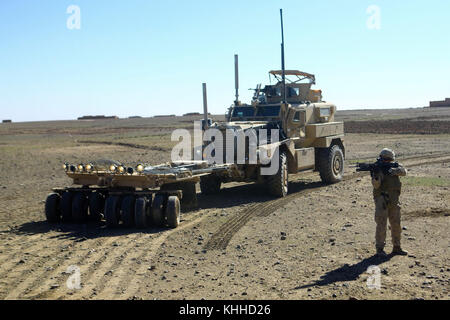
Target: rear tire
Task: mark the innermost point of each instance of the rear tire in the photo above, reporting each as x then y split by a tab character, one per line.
210	184
80	207
66	206
112	211
127	206
52	209
331	164
173	212
279	182
140	213
158	218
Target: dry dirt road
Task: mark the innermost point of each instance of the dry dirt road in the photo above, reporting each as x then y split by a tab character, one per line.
317	243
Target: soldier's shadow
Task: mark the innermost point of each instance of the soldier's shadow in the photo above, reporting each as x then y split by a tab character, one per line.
346	272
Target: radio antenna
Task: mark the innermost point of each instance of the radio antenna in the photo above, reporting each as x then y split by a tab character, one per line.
283	71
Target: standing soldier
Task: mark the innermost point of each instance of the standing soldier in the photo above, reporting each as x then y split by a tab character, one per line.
386	193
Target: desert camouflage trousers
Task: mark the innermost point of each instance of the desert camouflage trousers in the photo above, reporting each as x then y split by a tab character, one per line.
384	211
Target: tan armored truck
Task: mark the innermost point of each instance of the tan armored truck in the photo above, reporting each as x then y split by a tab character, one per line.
308	136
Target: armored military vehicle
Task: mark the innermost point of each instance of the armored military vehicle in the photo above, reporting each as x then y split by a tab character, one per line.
308	136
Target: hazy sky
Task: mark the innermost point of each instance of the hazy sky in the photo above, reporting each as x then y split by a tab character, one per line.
151	57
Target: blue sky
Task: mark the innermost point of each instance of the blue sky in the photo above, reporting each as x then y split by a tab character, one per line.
151	57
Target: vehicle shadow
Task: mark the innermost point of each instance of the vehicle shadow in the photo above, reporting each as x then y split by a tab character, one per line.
231	195
347	272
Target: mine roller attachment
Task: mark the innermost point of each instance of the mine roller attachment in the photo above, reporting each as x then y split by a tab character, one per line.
52	207
331	164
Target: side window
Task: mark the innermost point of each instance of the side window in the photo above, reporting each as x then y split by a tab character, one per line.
299	116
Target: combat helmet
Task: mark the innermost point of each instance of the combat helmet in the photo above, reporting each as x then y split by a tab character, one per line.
387	154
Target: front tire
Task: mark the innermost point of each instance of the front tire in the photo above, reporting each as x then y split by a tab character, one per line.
331	164
278	184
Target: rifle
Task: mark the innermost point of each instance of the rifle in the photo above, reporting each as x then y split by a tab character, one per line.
376	167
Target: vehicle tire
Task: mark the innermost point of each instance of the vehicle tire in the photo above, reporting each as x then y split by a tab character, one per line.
112	211
66	206
173	211
278	184
52	208
158	217
331	164
127	206
96	206
80	207
140	212
210	184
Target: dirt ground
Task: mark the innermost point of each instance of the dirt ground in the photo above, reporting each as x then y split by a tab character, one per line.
317	243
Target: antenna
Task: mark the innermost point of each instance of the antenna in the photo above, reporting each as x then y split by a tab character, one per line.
236	78
205	107
283	72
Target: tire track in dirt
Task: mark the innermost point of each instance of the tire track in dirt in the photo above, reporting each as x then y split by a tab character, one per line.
105	257
131	281
220	239
15	270
48	274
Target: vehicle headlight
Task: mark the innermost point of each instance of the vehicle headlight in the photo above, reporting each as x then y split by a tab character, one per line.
121	169
140	168
80	168
112	168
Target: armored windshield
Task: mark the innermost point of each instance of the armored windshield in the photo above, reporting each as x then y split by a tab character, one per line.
242	112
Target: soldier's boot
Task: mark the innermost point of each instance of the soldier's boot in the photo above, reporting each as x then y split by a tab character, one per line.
381	253
398	251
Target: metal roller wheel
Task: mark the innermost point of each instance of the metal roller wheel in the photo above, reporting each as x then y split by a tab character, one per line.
96	206
52	207
173	212
128	208
112	211
157	214
141	207
66	206
80	207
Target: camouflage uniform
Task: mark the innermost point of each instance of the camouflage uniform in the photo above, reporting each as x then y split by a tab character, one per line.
386	193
